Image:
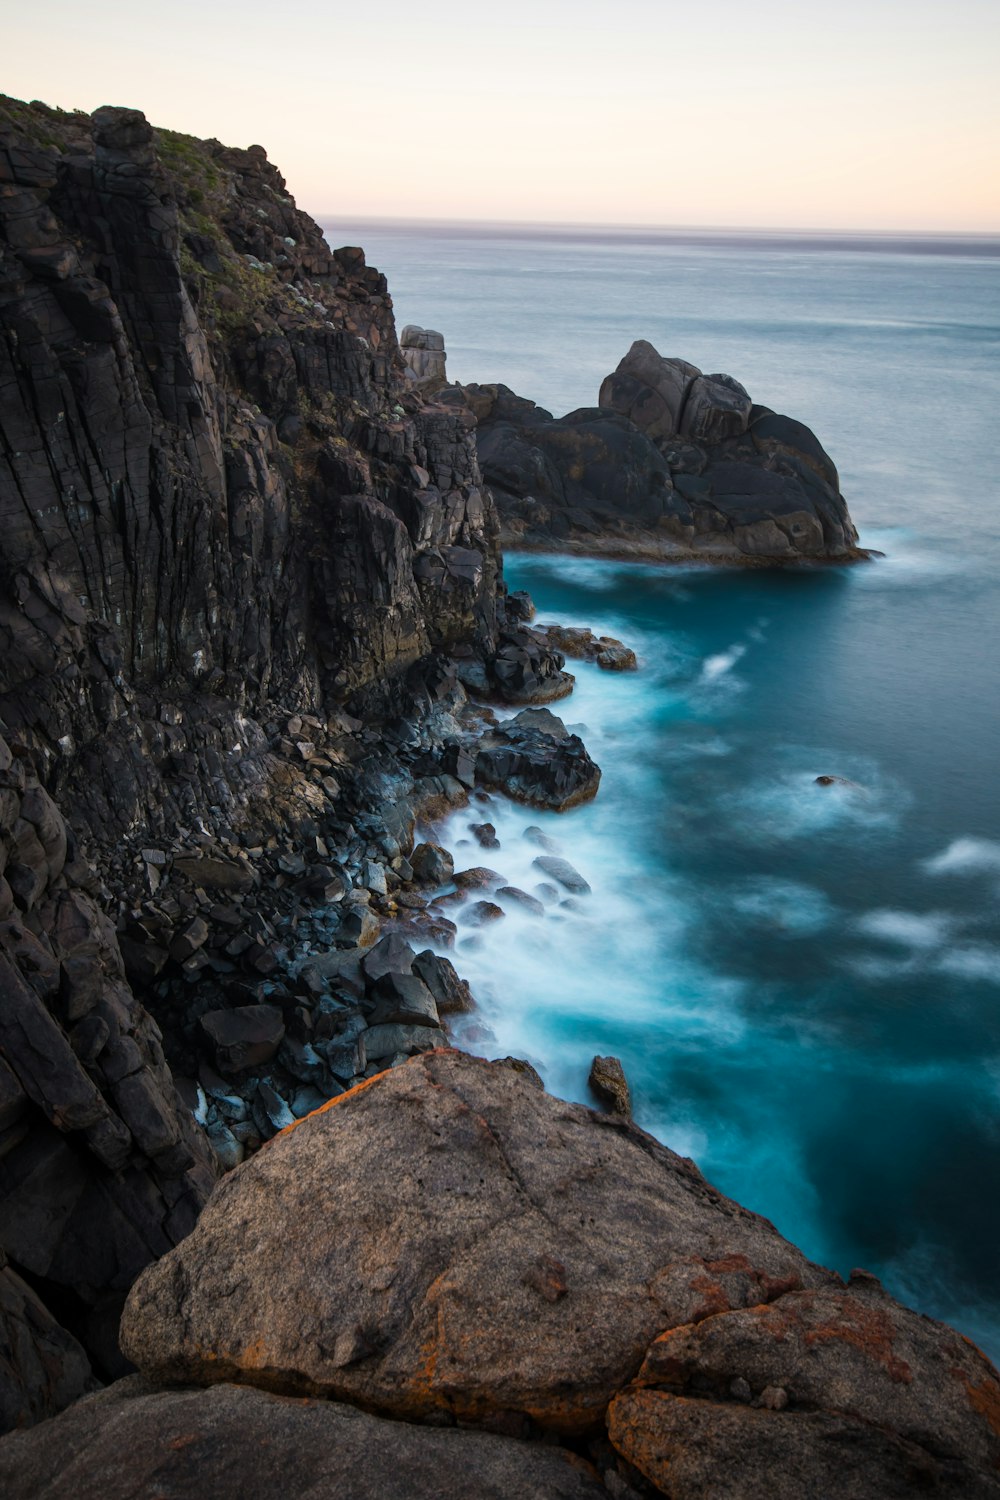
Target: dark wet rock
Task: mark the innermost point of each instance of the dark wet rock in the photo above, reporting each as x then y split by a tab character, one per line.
385	1041
404	998
673	462
607	1080
522	899
526	669
237	1443
577	641
535	760
485	835
563	873
452	995
482	913
431	864
244	1037
478	878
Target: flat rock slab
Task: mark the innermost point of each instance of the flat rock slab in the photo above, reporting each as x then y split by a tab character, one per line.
446	1238
236	1443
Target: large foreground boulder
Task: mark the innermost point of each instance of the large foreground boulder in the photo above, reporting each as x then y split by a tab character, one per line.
447	1242
233	1443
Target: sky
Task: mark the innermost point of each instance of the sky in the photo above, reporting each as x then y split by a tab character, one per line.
863	114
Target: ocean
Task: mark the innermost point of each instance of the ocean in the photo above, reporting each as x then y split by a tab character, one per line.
802	981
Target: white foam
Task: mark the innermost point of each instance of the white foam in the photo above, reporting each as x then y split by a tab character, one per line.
978	962
715	667
966	856
925	930
786	908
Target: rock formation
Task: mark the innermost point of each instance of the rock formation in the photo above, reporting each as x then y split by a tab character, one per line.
424	355
671	464
449	1241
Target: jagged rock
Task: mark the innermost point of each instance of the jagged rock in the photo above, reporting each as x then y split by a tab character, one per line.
537	762
244	1037
432	865
671	463
424	356
577	641
608	1081
235	1443
451	994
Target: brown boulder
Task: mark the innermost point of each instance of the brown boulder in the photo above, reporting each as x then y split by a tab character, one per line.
435	1197
846	1390
234	1443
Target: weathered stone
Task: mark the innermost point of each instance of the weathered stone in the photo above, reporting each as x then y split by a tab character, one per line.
235	1443
608	1081
431	864
497	1175
244	1037
563	872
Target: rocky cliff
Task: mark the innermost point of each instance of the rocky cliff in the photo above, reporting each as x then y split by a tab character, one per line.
243	561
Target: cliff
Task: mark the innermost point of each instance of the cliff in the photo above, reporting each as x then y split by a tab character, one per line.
242	562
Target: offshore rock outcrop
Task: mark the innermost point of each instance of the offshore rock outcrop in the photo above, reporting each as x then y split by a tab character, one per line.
671	464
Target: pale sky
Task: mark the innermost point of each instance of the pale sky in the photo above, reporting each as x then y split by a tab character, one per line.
859	114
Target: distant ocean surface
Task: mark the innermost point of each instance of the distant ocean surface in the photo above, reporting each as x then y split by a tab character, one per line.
802	982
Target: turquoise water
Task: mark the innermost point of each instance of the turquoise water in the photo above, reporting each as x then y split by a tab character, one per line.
803	982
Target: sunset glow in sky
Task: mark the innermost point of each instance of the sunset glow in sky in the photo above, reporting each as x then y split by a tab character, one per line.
866	114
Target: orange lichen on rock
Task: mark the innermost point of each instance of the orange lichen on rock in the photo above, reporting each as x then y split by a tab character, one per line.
984	1398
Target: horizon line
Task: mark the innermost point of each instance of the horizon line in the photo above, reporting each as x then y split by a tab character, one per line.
570	226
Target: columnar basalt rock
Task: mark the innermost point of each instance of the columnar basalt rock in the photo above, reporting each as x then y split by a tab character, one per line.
671	464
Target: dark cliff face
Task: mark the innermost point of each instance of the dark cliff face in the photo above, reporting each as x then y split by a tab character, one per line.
213	480
221	505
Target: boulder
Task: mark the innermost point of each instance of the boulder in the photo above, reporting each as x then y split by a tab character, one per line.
673	462
563	872
447	1187
535	760
244	1037
236	1443
483	1253
431	864
607	1080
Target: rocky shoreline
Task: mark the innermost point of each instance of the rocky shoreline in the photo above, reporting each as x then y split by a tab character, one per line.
255	643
